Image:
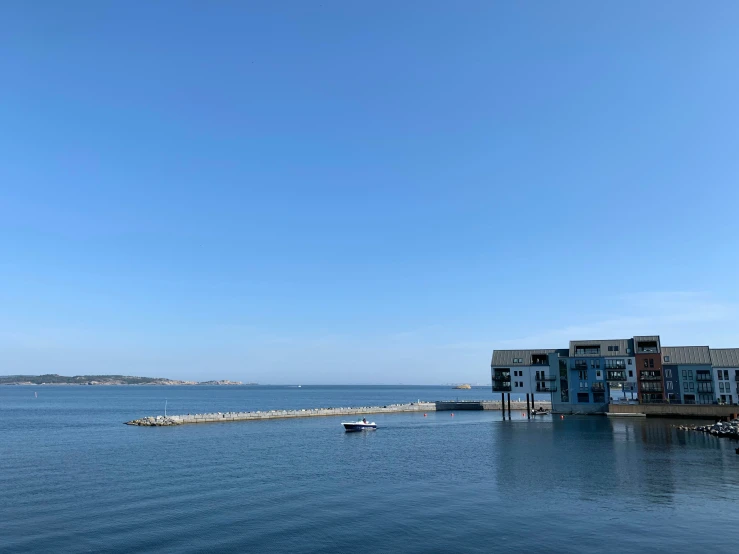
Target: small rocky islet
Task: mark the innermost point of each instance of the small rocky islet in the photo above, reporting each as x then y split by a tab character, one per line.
728	429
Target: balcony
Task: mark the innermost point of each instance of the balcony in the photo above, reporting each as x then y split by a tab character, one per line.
598	387
616	375
546	378
501	386
580	365
704	377
647	377
651	387
587	352
544	387
647	347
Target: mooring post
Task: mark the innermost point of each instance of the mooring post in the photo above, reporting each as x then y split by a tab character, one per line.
502	403
528	409
509	405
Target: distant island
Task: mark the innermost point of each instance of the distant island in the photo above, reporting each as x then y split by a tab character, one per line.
463	387
54	379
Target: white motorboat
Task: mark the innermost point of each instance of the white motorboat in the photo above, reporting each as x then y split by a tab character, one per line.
360	425
540	412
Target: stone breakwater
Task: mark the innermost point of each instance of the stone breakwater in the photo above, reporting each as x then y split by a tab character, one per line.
218	417
728	429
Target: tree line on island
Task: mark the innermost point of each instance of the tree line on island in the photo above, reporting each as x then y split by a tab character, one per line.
54	379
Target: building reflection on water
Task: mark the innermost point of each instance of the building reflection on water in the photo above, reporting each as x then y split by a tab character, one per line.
619	459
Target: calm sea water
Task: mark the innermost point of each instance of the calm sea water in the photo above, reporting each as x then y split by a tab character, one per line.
74	479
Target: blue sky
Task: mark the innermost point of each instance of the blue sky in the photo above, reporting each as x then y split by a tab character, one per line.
361	192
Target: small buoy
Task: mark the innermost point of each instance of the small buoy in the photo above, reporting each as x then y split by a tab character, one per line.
424	415
452	414
561	417
523	414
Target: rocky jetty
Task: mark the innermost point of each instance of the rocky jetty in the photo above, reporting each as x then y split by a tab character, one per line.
720	429
158	421
218	417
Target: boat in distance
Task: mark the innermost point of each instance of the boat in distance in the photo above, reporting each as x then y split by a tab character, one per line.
360	425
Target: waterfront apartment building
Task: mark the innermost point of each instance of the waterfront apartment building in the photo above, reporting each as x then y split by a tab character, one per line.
725	373
584	377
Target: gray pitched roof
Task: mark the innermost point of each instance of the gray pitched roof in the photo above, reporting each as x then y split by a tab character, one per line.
687	355
506	357
622	344
725	357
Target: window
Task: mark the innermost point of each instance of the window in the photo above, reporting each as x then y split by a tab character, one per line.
583	397
726	374
669	385
685	373
587	351
651	362
690	373
692	386
517	360
631	372
646	363
584	385
685	386
667	358
668	373
583	374
598	375
629	361
721	386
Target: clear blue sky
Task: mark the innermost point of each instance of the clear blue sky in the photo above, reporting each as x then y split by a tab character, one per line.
378	192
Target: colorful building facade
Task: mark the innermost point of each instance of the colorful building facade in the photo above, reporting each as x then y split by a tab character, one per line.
590	374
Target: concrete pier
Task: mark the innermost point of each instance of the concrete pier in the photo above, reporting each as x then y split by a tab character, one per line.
706	411
219	417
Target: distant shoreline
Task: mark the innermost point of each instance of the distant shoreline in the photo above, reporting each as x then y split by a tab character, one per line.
93	380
